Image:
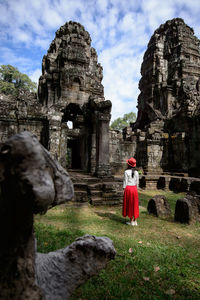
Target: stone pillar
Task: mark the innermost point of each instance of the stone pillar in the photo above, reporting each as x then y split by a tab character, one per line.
93	152
167	181
62	153
55	134
54	138
154	152
103	165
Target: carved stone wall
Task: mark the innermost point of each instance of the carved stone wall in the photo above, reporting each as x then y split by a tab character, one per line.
21	113
167	127
121	149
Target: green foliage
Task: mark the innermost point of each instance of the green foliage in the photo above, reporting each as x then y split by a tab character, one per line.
11	80
156	260
121	123
7	88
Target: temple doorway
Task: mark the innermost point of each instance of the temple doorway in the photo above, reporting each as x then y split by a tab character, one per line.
73	154
77	136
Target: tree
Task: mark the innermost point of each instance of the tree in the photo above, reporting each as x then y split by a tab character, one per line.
120	123
11	80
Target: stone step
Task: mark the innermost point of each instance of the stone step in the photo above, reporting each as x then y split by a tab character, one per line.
95	186
96	193
110	202
93	180
81	196
84	180
96	200
100	201
111	186
95	190
80	186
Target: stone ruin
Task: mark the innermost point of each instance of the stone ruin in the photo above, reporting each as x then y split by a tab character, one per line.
166	135
169	102
31	182
70	89
159	206
164	139
187	209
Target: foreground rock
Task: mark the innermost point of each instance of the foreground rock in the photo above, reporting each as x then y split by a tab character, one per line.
31	182
59	273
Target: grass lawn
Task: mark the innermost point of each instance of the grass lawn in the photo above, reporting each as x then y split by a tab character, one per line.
159	259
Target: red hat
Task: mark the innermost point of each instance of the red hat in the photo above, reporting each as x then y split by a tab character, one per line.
131	162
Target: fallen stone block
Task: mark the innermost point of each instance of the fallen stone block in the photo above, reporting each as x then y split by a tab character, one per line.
159	206
187	209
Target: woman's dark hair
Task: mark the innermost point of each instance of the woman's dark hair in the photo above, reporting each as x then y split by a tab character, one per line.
133	170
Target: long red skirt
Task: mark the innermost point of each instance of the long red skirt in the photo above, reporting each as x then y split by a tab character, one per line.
131	202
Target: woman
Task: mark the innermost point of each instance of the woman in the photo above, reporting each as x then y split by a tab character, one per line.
130	185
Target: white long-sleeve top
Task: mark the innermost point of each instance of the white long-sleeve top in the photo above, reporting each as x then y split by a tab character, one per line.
129	180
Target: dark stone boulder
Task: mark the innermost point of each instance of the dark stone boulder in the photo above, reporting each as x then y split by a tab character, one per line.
187	209
159	206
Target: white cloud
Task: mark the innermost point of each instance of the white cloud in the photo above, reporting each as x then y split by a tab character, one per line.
34	76
42	43
22	36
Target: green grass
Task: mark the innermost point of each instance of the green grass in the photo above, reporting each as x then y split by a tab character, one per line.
133	274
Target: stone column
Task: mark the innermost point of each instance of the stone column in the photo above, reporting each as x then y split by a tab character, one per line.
55	133
103	165
93	152
62	154
154	152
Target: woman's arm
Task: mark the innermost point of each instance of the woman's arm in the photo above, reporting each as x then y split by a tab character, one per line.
125	180
137	179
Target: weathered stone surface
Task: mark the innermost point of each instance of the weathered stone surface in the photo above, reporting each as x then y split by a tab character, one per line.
70	87
122	146
159	206
188	209
30	182
168	122
59	273
170	74
20	113
97	191
70	71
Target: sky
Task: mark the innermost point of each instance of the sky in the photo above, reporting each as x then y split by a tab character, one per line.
119	29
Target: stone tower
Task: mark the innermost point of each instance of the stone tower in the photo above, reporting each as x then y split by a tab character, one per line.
168	122
70	89
70	71
170	83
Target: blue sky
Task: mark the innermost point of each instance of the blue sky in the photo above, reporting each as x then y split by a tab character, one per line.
119	29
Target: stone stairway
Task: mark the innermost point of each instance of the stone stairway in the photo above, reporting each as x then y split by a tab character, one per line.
94	190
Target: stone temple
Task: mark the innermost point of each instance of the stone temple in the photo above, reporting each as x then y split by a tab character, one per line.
70	89
70	115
